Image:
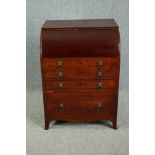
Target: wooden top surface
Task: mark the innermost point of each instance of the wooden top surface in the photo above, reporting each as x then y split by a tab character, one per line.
80	24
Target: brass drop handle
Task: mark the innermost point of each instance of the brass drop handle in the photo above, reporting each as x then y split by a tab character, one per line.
59	63
61	85
99	85
99	75
61	106
100	63
60	76
99	106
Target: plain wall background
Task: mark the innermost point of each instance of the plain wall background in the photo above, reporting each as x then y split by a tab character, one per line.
40	10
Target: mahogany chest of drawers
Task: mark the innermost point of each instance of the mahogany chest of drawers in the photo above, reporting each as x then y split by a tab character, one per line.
80	63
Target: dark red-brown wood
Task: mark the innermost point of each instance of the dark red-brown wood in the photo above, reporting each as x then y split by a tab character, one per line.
107	85
80	45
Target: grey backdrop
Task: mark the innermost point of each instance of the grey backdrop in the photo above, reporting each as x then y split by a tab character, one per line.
76	139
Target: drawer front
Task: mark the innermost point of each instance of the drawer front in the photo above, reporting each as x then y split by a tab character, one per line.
75	103
100	85
71	62
79	74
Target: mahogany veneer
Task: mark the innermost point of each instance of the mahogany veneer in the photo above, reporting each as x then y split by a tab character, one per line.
80	65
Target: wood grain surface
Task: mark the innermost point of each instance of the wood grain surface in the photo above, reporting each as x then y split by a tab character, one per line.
79	46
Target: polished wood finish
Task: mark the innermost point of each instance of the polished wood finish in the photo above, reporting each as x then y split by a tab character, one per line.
107	85
80	24
75	87
80	68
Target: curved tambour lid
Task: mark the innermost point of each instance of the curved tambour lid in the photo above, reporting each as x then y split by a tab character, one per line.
99	37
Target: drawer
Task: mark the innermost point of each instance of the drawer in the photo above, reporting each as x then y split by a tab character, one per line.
72	62
100	85
75	103
80	74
